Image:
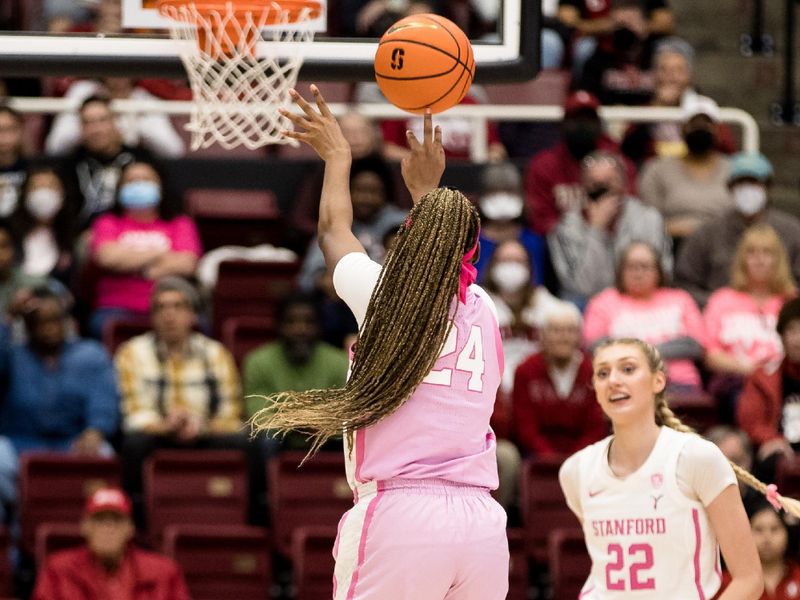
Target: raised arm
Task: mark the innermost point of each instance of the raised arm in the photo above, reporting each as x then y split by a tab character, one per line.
321	131
423	167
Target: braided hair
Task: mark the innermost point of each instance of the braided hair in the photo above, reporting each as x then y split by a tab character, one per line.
665	417
407	321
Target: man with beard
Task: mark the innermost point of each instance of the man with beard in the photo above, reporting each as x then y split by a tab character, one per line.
299	360
552	180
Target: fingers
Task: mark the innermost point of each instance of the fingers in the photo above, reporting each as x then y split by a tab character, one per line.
321	104
413	142
437	136
297	120
427	126
301	102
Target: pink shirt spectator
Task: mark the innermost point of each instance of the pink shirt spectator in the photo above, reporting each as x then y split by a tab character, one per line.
737	325
667	315
132	291
442	431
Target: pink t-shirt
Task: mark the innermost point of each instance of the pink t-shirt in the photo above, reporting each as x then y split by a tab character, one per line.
132	291
667	315
442	431
737	325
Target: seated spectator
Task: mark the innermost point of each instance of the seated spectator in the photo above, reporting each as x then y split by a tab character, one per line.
692	189
589	239
339	326
45	226
139	242
553	176
619	72
641	305
13	163
109	565
13	279
150	130
769	407
596	24
555	412
374	213
501	207
778	557
704	260
299	360
673	65
740	319
94	167
521	304
737	448
180	389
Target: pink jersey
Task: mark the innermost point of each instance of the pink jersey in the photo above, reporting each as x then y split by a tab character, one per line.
667	315
442	431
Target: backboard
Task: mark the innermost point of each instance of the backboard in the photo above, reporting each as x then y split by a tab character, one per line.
508	53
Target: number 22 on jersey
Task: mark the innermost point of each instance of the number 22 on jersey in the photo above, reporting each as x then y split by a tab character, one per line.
470	360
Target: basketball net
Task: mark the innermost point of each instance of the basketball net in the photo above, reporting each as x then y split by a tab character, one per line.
236	93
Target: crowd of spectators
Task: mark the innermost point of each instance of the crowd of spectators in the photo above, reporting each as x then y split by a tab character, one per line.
658	231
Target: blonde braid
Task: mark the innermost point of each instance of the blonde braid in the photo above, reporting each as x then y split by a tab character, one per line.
665	416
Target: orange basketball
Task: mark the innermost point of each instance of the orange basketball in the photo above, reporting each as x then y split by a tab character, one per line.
424	61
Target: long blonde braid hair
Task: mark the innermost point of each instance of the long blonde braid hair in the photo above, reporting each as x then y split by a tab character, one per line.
408	319
665	416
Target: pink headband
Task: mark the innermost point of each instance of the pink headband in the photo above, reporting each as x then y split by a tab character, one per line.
468	271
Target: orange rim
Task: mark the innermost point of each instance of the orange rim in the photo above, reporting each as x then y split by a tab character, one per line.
293	8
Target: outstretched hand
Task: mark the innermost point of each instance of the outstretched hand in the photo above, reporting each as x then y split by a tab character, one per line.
422	169
320	130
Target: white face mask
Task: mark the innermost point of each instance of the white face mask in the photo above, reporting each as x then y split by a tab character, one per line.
501	206
44	203
510	276
750	198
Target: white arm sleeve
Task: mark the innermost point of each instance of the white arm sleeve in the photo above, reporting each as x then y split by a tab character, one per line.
354	279
568	477
703	471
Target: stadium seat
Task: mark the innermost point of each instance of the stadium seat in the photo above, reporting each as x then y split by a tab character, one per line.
787	477
6	573
194	487
240	335
52	537
53	488
549	87
312	561
118	330
222	562
239	217
251	288
542	503
698	410
568	562
518	582
315	494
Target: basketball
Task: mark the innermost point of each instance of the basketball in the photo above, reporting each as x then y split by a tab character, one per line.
424	61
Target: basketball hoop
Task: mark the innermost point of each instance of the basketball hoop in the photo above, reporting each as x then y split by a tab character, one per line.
236	92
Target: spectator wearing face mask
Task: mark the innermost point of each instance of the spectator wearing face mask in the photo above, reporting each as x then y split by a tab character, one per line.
521	304
502	208
45	226
690	190
553	176
13	163
704	259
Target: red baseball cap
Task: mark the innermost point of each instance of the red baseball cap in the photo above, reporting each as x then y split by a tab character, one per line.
581	100
108	500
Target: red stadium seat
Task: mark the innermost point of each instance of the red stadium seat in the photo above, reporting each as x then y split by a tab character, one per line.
787	477
312	561
698	410
118	330
194	487
52	537
549	87
543	505
240	335
568	562
54	487
251	288
518	580
240	217
222	562
6	574
315	494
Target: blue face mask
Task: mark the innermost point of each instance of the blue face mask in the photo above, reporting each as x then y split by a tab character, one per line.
140	194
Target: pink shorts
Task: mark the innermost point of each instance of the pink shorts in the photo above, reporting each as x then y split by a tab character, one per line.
422	540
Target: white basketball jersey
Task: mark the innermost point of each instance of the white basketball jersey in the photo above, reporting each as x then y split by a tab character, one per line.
645	537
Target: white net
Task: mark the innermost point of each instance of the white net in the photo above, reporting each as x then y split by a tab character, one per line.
236	92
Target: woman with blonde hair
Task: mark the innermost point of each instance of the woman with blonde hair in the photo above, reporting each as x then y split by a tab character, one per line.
740	319
656	501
